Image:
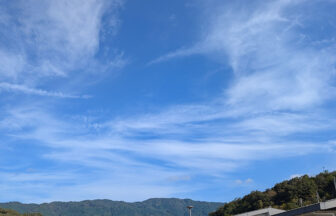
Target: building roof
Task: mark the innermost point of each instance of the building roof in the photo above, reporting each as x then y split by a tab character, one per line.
266	211
318	207
322	206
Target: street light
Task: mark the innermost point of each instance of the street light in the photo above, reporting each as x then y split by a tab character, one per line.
190	207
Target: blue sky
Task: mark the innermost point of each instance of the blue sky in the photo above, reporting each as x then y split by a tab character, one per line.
128	100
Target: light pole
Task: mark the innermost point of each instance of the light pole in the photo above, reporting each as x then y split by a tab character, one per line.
190	207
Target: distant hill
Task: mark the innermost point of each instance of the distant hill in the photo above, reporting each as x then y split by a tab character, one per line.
284	195
9	212
162	207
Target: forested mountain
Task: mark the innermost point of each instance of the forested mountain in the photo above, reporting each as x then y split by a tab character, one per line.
162	207
9	212
285	195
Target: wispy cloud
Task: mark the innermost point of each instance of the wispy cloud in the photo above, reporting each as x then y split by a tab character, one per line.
34	91
197	49
266	45
242	182
282	79
280	89
47	40
280	76
12	64
159	160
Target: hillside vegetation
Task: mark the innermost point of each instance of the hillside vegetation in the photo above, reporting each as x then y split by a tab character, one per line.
285	195
8	212
162	207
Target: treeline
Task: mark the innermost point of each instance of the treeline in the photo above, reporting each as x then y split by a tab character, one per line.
285	195
9	212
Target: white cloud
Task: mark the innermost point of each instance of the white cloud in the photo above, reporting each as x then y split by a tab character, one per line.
72	142
179	53
115	148
70	185
238	181
278	91
249	180
273	71
179	178
68	30
281	84
44	40
34	91
243	182
11	64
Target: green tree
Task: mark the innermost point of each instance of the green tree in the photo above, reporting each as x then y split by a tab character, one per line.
284	195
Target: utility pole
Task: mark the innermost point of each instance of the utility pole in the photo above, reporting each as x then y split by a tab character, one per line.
190	207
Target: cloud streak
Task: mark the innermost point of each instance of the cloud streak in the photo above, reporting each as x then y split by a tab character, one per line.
274	104
156	161
34	91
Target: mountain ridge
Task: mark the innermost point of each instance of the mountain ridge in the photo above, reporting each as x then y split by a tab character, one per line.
105	207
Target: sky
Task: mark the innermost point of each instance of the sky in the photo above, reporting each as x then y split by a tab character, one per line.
130	100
